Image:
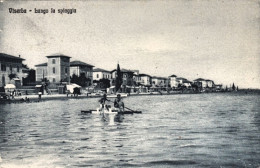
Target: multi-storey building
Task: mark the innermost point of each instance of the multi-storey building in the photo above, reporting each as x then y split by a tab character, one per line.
173	81
146	80
41	71
56	70
99	73
180	80
78	68
187	83
11	67
127	76
159	81
136	77
200	82
210	83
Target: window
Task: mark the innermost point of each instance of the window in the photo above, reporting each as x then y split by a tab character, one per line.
18	69
53	80
53	70
103	75
3	80
3	67
53	61
11	68
66	70
39	71
97	76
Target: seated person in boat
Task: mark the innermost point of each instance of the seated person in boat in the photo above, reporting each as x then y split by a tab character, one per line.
119	104
102	102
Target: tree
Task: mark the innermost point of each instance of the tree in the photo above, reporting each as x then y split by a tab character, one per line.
233	87
119	79
11	76
74	79
81	80
30	77
104	83
25	66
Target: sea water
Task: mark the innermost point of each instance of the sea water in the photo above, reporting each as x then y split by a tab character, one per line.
189	130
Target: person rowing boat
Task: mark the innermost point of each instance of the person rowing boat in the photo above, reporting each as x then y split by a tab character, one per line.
103	104
119	104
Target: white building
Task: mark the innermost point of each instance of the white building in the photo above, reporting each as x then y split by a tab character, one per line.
200	82
209	83
78	68
56	70
10	68
99	73
159	81
180	80
187	83
146	80
173	81
41	71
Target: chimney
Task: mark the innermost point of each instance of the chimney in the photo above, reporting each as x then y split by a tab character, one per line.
19	56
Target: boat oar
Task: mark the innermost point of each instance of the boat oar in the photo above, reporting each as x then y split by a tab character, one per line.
129	109
133	110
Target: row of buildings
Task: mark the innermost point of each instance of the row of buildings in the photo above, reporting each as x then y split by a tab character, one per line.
59	68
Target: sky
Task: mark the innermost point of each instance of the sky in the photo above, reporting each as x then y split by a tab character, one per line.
217	40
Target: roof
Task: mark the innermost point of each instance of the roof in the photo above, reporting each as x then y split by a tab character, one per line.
3	55
186	81
208	80
79	63
173	75
199	79
123	70
43	64
100	70
144	75
57	55
156	77
180	78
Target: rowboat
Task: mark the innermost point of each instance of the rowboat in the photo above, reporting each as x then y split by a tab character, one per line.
110	111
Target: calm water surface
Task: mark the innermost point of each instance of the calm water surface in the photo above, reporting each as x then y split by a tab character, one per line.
201	130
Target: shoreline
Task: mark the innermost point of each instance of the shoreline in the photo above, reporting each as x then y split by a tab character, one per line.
35	98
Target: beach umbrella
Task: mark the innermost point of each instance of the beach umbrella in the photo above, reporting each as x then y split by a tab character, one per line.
75	85
10	86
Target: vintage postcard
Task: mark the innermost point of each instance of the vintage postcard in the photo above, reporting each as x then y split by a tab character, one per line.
129	83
